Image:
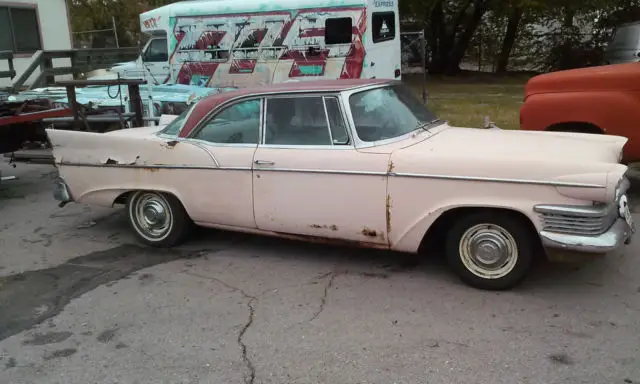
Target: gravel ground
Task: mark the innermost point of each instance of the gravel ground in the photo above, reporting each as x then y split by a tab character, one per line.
82	302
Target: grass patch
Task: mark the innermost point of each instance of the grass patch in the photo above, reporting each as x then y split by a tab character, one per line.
465	101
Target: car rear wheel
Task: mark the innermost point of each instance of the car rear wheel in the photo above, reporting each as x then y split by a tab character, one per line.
158	219
490	250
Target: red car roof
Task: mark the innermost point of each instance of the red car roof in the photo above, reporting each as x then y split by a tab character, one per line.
208	103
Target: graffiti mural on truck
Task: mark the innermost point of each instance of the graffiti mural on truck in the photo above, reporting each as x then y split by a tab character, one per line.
268	47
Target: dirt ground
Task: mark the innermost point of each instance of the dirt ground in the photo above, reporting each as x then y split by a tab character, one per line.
82	302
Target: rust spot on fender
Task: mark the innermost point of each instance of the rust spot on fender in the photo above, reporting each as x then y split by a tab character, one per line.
151	169
369	232
390	167
169	144
388	212
332	227
327	240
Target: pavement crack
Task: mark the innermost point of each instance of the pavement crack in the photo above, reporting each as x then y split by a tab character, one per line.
250	378
251	302
323	300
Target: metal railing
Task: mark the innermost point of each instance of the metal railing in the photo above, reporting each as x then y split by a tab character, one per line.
11	73
82	61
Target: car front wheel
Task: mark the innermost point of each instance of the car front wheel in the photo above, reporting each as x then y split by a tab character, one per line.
158	219
490	250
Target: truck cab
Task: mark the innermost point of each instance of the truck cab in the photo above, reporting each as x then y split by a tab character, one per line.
624	47
152	64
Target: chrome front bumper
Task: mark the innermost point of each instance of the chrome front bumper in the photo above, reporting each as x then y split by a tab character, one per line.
588	229
618	234
61	192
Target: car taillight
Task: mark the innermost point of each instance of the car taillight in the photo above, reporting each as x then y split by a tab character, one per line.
397	73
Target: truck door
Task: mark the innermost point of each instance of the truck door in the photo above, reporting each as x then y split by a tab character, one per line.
384	59
155	60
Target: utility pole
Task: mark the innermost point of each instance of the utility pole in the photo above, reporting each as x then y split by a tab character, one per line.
115	32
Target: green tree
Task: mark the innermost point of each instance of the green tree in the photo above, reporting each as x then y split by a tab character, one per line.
97	14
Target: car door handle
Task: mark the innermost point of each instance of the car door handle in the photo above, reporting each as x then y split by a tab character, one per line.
264	162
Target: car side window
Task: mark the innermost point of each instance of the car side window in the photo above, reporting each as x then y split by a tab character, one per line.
337	124
303	121
237	124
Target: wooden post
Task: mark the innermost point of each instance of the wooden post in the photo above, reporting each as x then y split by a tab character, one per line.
45	67
424	63
74	63
136	103
11	68
73	104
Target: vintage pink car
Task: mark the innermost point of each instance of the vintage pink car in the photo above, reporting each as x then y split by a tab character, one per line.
362	162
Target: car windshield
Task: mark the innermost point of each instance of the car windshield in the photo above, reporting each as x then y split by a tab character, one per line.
175	125
388	112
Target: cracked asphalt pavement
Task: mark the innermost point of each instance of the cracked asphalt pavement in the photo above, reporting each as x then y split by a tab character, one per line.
82	302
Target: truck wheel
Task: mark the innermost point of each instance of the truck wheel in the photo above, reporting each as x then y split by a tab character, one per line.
158	219
490	250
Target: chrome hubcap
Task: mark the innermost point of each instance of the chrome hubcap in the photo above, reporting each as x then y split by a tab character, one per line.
488	251
152	216
154	213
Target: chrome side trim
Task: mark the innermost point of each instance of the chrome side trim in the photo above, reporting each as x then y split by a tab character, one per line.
204	147
150	166
599	210
497	180
342	172
324	171
326	118
295	146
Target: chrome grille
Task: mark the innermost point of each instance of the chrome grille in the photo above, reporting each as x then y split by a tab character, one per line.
579	225
585	220
576	220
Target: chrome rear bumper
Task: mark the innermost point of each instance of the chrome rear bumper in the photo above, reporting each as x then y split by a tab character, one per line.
61	192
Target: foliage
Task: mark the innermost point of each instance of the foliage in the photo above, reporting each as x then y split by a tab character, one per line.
87	15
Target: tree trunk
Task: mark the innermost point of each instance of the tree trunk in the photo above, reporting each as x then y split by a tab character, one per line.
449	39
436	38
460	47
509	40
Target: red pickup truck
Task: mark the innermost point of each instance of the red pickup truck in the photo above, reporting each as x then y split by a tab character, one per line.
598	100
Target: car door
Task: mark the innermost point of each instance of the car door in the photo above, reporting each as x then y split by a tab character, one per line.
310	180
230	136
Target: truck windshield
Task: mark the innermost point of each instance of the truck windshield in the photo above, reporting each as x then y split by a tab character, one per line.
626	37
388	112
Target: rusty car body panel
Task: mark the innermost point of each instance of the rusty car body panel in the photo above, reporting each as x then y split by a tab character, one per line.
596	100
385	193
